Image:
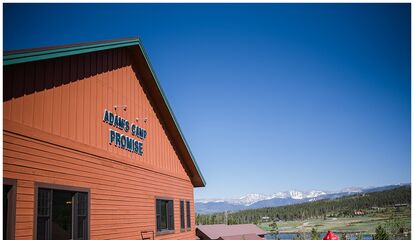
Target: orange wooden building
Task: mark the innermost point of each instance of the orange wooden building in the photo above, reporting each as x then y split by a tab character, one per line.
91	147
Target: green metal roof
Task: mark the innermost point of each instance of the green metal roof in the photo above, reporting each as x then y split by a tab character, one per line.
43	54
15	57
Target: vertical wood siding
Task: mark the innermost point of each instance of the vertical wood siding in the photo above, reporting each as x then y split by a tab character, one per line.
64	99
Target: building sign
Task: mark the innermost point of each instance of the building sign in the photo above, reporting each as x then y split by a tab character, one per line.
117	136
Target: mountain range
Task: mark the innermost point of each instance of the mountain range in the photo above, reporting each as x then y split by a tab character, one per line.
255	200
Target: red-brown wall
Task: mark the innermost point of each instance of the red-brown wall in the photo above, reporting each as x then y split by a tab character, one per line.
54	133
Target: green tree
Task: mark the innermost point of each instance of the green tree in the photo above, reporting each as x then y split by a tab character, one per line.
314	234
274	230
395	227
381	234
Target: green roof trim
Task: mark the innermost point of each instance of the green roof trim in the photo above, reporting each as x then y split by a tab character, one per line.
43	54
63	52
171	112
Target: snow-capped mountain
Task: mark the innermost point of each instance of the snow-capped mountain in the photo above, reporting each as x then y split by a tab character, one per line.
244	200
249	199
314	194
256	200
252	198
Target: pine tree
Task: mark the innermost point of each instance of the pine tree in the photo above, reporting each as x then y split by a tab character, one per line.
394	227
381	234
314	234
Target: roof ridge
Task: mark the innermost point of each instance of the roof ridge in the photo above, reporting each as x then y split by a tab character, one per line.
22	56
62	46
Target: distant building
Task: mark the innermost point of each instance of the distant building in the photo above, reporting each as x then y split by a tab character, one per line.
398	205
229	232
359	212
265	219
377	208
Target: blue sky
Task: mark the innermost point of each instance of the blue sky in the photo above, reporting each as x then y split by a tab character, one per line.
270	97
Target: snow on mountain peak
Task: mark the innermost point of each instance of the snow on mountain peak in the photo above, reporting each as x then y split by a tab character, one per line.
296	194
315	193
252	198
279	195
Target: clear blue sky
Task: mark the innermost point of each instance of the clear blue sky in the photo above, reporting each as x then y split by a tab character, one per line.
270	97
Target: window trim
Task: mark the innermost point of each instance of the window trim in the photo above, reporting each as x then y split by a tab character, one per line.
187	215
163	232
11	217
182	229
64	188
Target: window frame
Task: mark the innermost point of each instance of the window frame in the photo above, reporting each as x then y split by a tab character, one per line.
63	188
182	218
165	231
11	216
188	215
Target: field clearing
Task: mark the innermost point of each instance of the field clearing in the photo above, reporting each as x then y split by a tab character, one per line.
365	224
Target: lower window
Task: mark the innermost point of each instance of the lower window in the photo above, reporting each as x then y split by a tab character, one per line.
165	215
62	214
188	215
9	208
182	221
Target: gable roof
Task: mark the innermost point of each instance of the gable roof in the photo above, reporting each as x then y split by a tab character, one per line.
141	59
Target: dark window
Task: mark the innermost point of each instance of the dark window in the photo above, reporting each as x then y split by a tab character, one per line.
9	208
62	214
44	202
188	215
6	212
165	215
82	216
182	215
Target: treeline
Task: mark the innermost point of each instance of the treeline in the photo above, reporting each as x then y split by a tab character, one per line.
344	206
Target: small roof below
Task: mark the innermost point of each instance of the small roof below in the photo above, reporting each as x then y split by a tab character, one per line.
242	237
230	232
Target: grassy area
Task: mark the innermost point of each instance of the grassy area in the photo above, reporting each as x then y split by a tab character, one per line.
366	224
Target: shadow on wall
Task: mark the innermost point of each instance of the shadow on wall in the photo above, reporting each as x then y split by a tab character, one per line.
28	78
